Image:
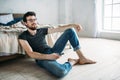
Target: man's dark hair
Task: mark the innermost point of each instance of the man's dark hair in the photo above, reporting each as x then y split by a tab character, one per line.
30	13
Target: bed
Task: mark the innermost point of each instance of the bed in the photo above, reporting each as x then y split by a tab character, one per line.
9	46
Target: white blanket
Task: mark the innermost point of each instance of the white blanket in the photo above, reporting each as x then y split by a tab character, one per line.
9	41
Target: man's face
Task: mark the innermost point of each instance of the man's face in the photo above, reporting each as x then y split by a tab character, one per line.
31	22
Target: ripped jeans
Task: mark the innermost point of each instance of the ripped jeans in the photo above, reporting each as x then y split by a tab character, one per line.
57	69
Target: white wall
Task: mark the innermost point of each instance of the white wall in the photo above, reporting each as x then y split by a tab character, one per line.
84	14
65	12
57	12
81	12
47	10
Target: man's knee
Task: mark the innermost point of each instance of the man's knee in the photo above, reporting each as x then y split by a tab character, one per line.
54	68
70	30
61	73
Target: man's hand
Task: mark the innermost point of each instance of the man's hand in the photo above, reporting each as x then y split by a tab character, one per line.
76	26
53	56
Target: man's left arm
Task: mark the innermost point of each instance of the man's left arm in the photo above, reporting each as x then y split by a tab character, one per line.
65	27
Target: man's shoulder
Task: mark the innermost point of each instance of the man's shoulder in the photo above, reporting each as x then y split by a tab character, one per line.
43	30
23	34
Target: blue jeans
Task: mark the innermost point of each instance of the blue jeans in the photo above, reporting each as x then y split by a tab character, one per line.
57	69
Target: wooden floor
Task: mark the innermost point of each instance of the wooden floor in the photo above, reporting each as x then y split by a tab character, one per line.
105	52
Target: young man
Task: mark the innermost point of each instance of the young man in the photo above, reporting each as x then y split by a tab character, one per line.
33	42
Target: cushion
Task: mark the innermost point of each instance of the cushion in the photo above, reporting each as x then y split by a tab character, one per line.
19	24
4	19
12	22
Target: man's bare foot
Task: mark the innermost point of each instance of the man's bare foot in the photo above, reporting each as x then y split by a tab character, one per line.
86	61
73	61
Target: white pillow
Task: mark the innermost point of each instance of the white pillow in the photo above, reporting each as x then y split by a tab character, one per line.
19	25
6	18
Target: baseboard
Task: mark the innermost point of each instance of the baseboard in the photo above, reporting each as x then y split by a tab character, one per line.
5	58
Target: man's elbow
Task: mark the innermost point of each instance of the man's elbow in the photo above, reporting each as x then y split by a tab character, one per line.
30	54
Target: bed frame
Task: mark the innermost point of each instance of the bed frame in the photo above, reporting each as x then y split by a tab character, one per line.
15	15
6	58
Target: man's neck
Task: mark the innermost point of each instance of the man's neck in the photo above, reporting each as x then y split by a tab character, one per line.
32	32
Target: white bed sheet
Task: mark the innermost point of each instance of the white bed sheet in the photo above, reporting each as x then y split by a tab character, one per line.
9	41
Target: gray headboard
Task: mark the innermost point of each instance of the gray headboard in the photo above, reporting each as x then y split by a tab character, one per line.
15	15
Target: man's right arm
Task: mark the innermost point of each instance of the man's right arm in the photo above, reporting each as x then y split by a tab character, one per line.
25	45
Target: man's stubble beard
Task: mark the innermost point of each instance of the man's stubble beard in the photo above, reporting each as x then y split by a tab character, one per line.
34	27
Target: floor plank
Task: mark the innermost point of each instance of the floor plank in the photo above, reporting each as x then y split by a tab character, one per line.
105	52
